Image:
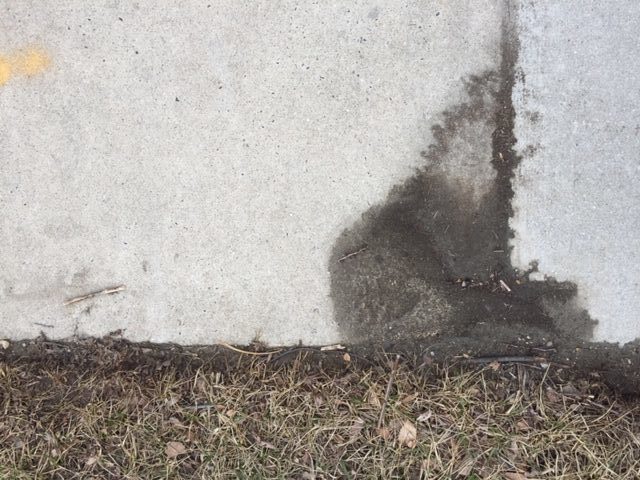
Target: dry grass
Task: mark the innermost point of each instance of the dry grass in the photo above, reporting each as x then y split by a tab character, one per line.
300	420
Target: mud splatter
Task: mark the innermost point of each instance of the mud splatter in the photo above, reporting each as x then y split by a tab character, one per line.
437	256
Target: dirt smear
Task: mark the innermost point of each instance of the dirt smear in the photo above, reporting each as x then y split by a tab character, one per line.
433	260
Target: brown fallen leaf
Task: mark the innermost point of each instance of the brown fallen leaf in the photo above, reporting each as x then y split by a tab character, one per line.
473	391
408	434
373	399
425	416
201	386
384	432
355	431
174	449
408	400
174	422
570	390
495	366
346	357
264	444
552	395
467	467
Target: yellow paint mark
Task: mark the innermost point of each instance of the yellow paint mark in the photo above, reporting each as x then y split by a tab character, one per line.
5	70
26	63
32	62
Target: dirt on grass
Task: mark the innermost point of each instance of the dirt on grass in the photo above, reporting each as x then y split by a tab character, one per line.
111	409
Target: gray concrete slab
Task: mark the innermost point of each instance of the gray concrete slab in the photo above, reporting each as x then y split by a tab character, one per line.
207	156
219	160
577	202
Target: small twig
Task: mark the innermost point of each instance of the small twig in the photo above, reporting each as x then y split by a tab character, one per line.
106	291
200	406
546	349
387	392
504	285
506	359
247	352
353	254
294	350
45	325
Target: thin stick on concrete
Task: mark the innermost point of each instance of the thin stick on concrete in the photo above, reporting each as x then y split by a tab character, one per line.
45	325
106	291
353	254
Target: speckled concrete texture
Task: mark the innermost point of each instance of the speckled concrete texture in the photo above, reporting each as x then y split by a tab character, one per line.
577	203
207	155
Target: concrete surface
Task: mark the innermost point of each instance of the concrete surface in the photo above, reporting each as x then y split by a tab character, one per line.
212	157
207	156
577	203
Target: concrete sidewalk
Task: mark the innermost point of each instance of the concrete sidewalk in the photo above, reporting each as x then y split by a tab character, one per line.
220	160
207	156
577	204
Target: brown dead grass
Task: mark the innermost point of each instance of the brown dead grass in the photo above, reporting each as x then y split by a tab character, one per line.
262	419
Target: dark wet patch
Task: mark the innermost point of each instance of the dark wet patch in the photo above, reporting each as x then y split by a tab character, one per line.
433	260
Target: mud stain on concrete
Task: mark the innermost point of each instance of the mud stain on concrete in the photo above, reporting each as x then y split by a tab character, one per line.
434	258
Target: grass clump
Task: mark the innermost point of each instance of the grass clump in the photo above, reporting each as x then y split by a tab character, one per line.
152	416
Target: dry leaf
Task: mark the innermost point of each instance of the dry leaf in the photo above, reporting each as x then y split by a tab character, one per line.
408	434
514	476
552	395
346	357
427	464
495	366
473	391
522	426
318	400
307	459
231	413
425	416
201	386
467	467
174	449
570	390
91	461
4	344
355	430
373	399
514	452
408	400
384	432
174	422
264	444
